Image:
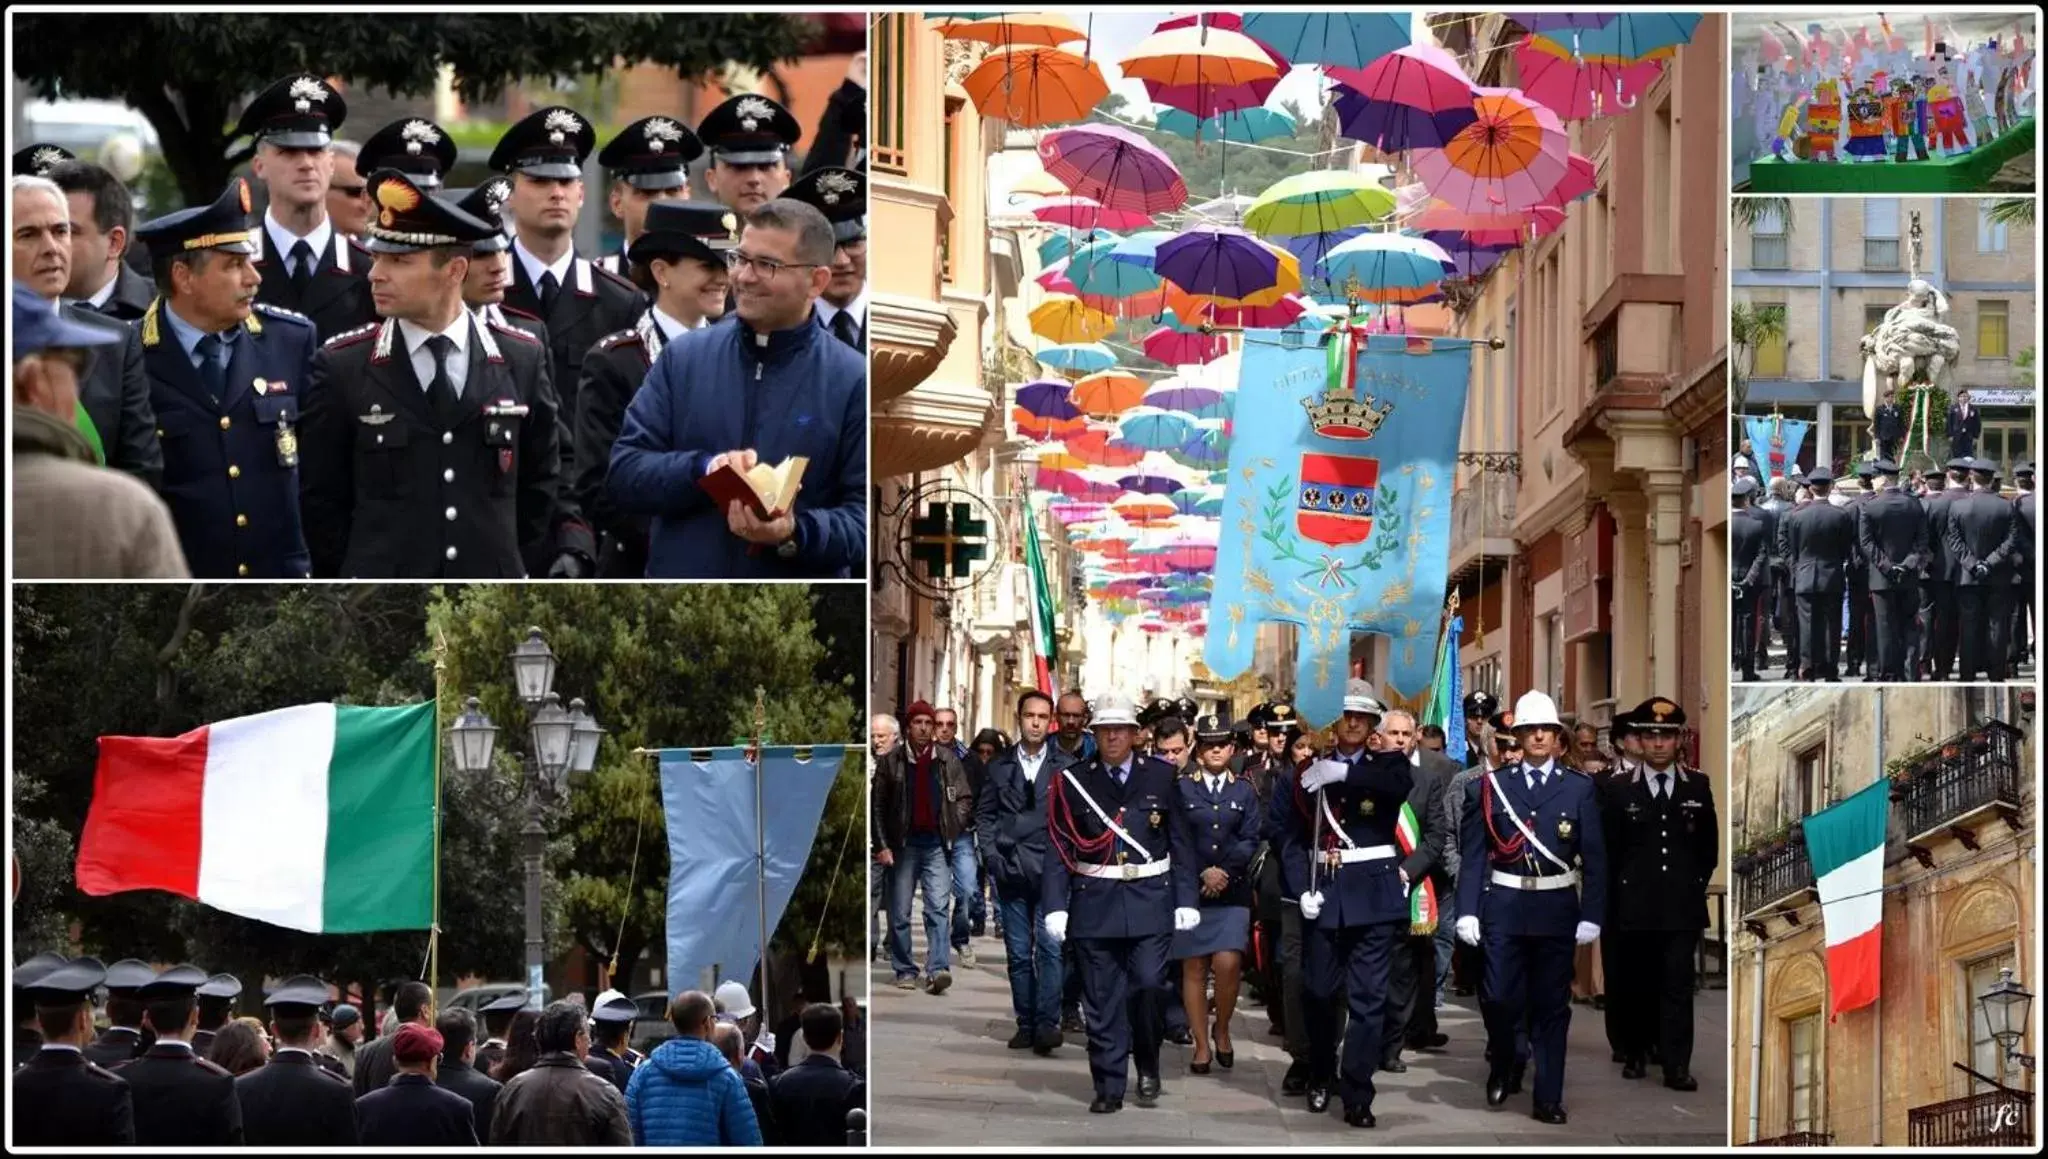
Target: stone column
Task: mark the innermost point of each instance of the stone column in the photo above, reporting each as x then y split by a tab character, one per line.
1823	436
1666	492
1631	589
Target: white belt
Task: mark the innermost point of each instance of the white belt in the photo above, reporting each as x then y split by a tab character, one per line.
1360	853
1130	871
1545	881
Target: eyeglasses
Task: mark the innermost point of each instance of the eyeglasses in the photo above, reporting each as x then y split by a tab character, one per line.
737	260
347	190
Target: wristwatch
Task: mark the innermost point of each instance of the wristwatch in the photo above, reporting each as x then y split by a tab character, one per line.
787	548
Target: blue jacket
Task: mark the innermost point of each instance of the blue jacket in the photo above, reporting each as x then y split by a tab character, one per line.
687	1095
1009	820
715	390
1565	816
1367	803
1114	907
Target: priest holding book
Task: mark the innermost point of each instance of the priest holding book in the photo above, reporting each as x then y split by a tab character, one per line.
747	442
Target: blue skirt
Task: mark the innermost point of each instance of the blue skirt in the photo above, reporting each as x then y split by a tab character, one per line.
1224	929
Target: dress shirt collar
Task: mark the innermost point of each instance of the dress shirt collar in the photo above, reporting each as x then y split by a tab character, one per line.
671	326
415	335
1539	772
282	239
858	308
186	333
535	267
105	293
1415	758
62	1046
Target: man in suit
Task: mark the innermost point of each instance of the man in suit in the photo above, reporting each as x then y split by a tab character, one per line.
1749	546
1818	539
433	407
228	376
1964	425
292	1101
1411	995
413	1005
1938	588
1857	646
1982	541
2024	556
649	162
1009	823
181	1100
1125	893
1663	841
841	195
410	1110
460	1070
811	1099
61	1098
307	266
216	1005
125	1037
113	411
1891	530
1530	831
102	230
1889	425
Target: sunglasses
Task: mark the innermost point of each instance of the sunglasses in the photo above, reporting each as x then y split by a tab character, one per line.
347	190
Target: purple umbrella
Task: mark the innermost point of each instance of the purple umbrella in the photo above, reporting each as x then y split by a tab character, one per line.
1391	126
1226	263
1047	399
1115	167
1151	484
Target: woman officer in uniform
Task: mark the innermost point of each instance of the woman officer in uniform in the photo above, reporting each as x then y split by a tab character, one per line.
1218	813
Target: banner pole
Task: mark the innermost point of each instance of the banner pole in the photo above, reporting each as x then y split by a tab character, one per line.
761	846
434	931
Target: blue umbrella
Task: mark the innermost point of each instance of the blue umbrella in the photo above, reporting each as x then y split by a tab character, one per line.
1048	399
1630	36
1060	245
1311	248
1552	21
1085	357
1095	269
1154	429
1348	39
1393	127
1242	125
1204	451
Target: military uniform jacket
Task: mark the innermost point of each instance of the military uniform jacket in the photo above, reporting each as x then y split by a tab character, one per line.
390	494
115	395
1367	805
1889	422
1941	566
608	1066
612	372
114	1046
1219	829
291	1101
1892	531
1980	530
1101	907
1749	546
1009	819
2022	551
1661	851
592	303
337	296
231	475
1564	814
61	1099
182	1100
1819	538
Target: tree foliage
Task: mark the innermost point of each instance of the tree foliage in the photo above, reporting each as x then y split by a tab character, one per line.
189	73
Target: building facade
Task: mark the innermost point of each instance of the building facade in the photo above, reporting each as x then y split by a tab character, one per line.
1959	900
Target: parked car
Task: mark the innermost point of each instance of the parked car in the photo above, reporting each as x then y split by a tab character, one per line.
652	1027
475	998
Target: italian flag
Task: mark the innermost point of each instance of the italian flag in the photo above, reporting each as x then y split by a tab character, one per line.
1422	912
318	818
1845	842
1044	648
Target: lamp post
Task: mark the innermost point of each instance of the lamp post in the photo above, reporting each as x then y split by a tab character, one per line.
561	748
2006	1006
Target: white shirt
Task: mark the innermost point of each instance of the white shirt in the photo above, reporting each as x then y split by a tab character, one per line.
282	239
1415	758
1031	763
1214	781
415	339
1533	773
858	308
1669	778
62	1046
670	325
98	298
535	267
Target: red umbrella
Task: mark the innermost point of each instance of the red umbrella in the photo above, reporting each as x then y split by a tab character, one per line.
1182	348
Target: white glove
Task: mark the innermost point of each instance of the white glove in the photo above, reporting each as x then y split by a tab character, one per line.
1056	925
1587	932
1311	904
1186	918
1323	773
1468	930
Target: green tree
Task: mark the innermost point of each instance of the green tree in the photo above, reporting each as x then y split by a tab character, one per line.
1750	327
189	73
2012	211
1748	212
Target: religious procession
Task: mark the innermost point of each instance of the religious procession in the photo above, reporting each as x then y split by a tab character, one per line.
1287	686
369	321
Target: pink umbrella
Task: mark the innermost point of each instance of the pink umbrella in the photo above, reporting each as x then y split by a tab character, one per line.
1414	97
1182	348
1084	213
1115	166
1054	278
1579	180
1579	89
1280	314
1510	158
1068	483
1208	100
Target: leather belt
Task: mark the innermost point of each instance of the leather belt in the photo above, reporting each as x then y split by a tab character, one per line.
1541	881
1359	853
1130	871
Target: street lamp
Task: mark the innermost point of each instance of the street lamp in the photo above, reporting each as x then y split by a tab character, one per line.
562	744
2006	1006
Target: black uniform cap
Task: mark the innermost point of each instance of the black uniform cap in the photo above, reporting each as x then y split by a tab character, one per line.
652	153
1211	730
841	195
298	991
1261	713
300	111
38	160
1866	469
686	229
128	975
1960	463
486	203
1480	704
1744	486
1623	724
2025	468
177	982
415	146
550	142
516	1000
31	971
749	129
1820	474
1884	467
1281	718
66	982
407	219
223	225
221	986
620	1009
1985	465
1657	714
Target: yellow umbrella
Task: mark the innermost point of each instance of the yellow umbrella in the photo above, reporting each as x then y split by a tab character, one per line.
1062	318
1054	457
1288	281
1017	28
1199	56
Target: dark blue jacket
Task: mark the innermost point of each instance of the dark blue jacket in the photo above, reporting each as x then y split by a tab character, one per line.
1565	815
687	1095
811	1100
1101	907
1009	820
410	1111
1220	830
1367	803
715	390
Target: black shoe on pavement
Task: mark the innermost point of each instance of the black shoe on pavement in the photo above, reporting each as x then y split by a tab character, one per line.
1105	1106
1181	1037
1633	1069
1394	1066
1022	1040
1515	1078
940	979
1681	1081
1360	1117
1148	1090
1548	1113
1047	1040
1070	1023
1621	1056
1198	1068
1434	1042
1496	1088
1295	1081
1318	1098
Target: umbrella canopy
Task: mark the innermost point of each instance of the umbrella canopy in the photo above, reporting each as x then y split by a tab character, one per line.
1245	126
1140	304
1031	426
1417	96
1114	166
1580	180
1388	267
1199	56
1047	399
1054	280
1054	482
1205	450
1197	310
1318	201
1629	36
1222	262
1204	500
1552	21
1067	321
1108	393
1144	510
1035	86
1177	347
1016	28
1037	183
1433	214
1510	157
1579	89
1095	269
1207	98
1084	213
1155	429
1054	457
1061	245
1349	39
1174	394
1082	358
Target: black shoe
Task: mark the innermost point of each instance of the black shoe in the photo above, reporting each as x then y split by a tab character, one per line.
1394	1066
1022	1040
1621	1056
1599	1001
1515	1078
1295	1081
1198	1068
938	982
1047	1040
1070	1023
1749	678
1548	1113
1681	1081
1181	1037
1318	1098
1633	1069
1105	1106
1360	1117
1226	1058
1496	1088
1434	1042
1148	1090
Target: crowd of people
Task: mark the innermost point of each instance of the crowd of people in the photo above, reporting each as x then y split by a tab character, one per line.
376	376
1148	867
175	1067
1921	576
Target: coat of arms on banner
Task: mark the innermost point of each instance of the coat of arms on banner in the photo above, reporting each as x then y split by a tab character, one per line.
1336	515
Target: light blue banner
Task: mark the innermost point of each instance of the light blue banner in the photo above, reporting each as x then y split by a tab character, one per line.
1776	441
707	798
1337	513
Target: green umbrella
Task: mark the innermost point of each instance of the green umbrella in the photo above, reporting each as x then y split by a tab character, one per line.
1319	201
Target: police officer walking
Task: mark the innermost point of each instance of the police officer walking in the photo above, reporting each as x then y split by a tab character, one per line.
1219	817
649	162
1115	874
1749	540
1983	541
181	1099
1533	882
309	267
1663	840
292	1100
1818	538
1891	530
61	1098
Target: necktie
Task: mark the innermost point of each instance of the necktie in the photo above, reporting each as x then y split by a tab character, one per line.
1122	776
302	267
1663	792
550	289
842	325
213	373
441	391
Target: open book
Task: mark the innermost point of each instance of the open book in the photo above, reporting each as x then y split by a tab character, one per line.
767	490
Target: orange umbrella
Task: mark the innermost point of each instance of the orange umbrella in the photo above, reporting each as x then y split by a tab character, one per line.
1030	87
1033	427
1108	393
1199	56
1017	28
1144	510
1064	319
1054	457
1097	446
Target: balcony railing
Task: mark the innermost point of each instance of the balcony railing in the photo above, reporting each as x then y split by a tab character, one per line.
1798	1139
1977	769
1484	507
1991	1119
1773	876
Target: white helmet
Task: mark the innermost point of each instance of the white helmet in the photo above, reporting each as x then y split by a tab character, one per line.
1535	708
1114	708
733	999
1358	697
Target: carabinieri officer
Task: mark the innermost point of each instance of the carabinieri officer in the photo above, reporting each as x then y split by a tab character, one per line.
1339	857
1529	833
1113	870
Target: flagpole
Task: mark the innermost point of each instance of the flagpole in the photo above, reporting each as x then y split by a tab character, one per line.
434	931
761	846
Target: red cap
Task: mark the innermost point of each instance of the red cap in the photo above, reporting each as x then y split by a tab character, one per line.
918	708
416	1043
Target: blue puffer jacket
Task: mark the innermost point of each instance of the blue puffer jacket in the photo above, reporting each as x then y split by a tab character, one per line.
687	1095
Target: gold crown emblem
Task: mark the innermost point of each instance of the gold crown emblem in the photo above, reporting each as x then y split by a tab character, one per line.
1336	415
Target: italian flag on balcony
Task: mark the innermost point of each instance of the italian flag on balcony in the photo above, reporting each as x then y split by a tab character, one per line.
1044	648
319	817
1845	842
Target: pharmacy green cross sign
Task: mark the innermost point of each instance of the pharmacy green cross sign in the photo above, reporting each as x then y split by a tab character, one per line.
949	539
